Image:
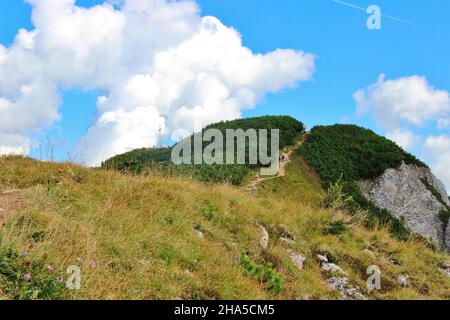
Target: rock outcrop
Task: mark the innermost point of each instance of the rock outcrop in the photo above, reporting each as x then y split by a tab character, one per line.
414	195
263	237
347	291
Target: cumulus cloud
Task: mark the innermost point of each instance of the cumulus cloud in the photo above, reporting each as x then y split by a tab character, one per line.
14	144
408	100
404	138
401	106
439	148
159	62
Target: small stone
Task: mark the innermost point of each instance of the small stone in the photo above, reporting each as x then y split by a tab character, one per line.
346	291
336	283
287	241
199	234
322	258
445	272
297	259
333	268
264	237
403	280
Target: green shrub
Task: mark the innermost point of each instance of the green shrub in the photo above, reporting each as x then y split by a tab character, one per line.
137	161
210	212
336	199
336	228
263	273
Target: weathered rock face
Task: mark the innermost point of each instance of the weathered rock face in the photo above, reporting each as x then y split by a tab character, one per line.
403	193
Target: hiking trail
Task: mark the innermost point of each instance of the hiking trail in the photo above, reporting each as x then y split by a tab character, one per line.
286	157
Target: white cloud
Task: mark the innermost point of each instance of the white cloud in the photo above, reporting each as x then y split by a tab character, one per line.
404	138
400	106
439	148
159	62
120	130
13	144
408	100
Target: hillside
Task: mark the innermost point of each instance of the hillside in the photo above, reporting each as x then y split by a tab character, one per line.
393	186
156	237
158	233
150	160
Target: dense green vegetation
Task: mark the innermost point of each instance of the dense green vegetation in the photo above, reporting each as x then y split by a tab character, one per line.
140	160
354	154
290	128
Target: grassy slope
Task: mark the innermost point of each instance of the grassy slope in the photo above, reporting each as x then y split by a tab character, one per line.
139	231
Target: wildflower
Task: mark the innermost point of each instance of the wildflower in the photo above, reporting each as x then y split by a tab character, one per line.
25	254
27	277
50	267
93	265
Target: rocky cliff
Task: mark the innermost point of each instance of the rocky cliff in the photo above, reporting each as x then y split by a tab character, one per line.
417	197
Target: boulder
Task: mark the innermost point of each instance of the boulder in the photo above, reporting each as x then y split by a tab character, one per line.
347	291
297	259
322	258
333	268
403	280
403	193
263	237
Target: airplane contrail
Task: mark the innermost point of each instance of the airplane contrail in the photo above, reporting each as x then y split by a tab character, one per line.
365	10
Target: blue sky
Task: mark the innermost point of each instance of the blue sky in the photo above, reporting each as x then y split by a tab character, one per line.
349	55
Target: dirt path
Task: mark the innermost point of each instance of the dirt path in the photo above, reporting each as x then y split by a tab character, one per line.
286	155
11	202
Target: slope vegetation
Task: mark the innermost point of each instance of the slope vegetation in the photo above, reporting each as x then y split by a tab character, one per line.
150	160
353	154
158	237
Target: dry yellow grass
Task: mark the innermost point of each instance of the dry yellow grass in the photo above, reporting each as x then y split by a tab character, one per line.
140	232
